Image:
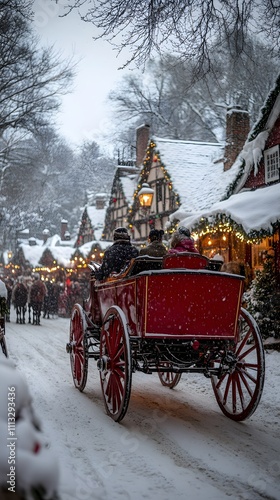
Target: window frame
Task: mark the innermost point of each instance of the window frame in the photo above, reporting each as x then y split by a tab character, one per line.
268	167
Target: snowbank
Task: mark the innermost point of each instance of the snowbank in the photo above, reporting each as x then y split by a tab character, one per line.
25	461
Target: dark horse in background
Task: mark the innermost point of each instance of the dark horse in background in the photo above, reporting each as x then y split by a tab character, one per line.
19	299
37	295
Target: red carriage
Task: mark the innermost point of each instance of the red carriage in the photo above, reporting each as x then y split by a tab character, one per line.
169	315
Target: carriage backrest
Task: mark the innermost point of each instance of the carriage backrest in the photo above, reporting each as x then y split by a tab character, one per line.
185	260
144	263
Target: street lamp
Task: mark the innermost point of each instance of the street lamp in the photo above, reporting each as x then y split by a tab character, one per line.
145	196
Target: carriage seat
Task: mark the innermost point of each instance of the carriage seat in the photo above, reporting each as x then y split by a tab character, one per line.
185	260
136	266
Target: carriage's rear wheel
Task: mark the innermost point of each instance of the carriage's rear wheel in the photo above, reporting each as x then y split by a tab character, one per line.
238	392
169	379
115	364
78	347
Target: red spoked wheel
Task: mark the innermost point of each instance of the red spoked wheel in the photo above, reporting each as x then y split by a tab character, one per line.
115	364
238	391
77	347
169	379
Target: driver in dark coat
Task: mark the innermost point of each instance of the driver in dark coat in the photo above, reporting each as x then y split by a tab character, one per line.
118	255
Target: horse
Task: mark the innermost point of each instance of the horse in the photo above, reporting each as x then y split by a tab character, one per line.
51	300
38	292
19	299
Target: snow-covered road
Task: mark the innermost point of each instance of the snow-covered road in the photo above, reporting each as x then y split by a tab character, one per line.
172	444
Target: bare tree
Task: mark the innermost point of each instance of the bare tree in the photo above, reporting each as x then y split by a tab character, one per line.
166	97
187	28
31	79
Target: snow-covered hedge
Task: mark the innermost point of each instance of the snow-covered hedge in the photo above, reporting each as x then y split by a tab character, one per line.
28	468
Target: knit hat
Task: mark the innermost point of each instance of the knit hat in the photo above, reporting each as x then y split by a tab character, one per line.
156	235
184	231
121	233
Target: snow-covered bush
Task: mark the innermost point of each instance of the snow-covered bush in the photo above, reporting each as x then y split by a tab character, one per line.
263	299
28	468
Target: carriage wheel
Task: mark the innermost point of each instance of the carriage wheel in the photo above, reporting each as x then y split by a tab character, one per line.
115	363
78	350
238	392
169	379
4	346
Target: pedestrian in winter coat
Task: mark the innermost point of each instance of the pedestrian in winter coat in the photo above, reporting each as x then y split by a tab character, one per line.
181	241
118	255
155	248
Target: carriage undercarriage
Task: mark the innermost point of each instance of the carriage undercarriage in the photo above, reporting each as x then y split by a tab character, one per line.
236	369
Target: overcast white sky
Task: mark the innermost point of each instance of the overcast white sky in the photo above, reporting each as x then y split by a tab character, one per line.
84	113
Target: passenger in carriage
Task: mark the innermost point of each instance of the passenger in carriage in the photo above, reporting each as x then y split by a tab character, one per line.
155	248
118	255
181	241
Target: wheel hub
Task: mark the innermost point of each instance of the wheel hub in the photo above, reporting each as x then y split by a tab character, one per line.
102	363
70	346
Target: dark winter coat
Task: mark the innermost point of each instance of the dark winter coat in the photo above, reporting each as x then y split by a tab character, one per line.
116	258
154	249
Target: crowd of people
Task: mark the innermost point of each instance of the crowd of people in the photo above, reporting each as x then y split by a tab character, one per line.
33	297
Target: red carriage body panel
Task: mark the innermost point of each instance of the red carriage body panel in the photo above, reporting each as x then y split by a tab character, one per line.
177	303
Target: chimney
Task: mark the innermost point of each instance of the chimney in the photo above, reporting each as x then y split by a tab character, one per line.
64	224
100	200
46	234
142	139
237	130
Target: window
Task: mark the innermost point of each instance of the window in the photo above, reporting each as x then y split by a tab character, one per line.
272	164
159	191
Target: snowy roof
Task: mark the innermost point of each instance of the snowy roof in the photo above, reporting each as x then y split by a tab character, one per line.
253	210
196	170
86	247
129	184
97	217
61	253
32	253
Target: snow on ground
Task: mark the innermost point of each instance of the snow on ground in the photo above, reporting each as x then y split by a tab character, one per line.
172	444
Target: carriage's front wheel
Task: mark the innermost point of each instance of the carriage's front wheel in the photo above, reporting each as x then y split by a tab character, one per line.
115	363
3	346
238	390
77	347
169	379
